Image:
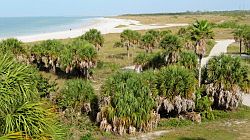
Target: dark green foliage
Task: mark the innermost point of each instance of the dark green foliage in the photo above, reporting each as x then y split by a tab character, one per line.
45	88
87	137
204	104
176	80
150	60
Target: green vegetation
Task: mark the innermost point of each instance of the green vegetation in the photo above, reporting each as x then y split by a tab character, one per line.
84	91
22	111
94	37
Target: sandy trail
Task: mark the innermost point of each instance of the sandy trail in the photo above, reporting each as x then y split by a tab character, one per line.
105	25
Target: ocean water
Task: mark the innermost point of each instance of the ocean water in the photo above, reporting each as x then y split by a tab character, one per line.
20	26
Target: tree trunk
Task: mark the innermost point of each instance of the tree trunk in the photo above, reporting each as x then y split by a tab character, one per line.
240	46
128	50
200	58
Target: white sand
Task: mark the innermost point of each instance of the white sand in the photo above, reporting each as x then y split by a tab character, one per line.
105	25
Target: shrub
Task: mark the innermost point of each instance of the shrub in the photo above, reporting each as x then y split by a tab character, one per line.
129	102
176	80
77	94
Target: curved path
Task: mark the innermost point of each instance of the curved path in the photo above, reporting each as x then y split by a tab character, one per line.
219	48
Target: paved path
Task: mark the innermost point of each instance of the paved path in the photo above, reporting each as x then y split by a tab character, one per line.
219	48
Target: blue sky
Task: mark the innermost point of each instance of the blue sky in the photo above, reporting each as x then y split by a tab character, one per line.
19	8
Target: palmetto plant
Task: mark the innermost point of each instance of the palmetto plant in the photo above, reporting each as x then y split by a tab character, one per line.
11	45
189	60
130	102
94	37
77	94
226	72
200	32
176	81
118	44
20	111
173	46
227	79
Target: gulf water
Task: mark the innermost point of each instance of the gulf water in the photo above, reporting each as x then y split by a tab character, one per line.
21	26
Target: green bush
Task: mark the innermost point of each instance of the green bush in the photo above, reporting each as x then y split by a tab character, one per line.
176	80
75	93
228	24
131	99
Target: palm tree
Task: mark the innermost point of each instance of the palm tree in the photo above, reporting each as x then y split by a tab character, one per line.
94	37
246	38
148	42
239	35
201	31
157	36
46	54
176	86
186	35
79	56
129	39
173	46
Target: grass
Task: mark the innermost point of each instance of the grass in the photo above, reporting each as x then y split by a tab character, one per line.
227	126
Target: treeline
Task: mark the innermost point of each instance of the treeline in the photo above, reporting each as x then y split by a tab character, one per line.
226	13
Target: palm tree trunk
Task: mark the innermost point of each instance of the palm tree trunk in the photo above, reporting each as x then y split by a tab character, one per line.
240	46
200	58
128	50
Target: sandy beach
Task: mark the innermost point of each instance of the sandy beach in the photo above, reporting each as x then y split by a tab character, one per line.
105	25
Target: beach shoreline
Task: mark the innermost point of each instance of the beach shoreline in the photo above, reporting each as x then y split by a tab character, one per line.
105	25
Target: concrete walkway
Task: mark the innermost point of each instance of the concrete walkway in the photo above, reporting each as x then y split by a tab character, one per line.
219	48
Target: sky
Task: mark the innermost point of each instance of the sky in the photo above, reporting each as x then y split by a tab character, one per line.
23	8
